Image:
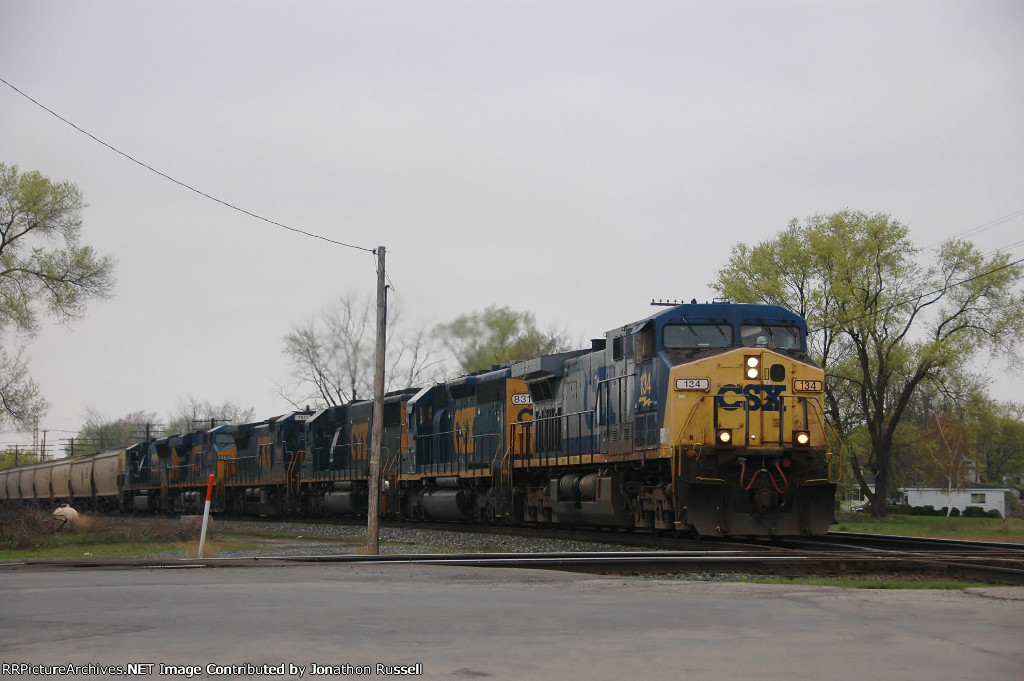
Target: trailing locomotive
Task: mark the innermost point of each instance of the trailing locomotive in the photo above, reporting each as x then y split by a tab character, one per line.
704	418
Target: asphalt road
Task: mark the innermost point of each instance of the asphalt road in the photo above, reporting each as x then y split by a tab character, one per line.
342	620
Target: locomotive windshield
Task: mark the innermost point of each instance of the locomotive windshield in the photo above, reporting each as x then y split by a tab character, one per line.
770	336
689	336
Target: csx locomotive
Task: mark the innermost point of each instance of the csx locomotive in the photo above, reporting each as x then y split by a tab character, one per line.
702	418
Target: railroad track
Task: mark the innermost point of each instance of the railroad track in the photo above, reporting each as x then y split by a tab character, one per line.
832	554
846	540
791	564
970	560
841	554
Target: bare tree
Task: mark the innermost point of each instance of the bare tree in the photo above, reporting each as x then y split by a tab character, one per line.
953	464
20	399
332	354
193	414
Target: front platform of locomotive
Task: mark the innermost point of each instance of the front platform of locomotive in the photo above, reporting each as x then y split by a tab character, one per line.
744	417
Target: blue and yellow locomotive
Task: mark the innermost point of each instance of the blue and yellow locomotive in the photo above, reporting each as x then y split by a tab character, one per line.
705	418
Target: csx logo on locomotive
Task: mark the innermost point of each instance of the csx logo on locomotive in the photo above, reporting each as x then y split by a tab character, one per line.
757	396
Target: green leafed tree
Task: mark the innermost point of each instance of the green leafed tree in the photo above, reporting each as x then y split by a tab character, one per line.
1000	443
99	433
885	316
481	340
9	458
45	272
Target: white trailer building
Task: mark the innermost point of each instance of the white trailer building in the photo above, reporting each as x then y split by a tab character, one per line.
987	497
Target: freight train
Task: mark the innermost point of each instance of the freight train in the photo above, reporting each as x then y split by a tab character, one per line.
702	418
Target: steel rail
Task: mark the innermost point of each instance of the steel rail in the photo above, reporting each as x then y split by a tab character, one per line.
626	562
904	542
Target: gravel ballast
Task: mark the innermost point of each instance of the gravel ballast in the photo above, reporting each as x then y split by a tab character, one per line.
312	538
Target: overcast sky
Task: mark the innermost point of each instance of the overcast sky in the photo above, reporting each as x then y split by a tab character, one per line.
574	159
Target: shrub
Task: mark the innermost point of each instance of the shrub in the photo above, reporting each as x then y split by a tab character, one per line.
993	513
974	512
24	528
31	528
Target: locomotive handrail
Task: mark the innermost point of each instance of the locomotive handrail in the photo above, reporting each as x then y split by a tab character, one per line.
524	447
689	419
174	474
830	456
363	446
243	471
782	414
293	469
565	448
623	379
505	465
677	447
441	441
392	464
520	440
363	455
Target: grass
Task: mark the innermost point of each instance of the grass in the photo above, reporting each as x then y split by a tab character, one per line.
28	534
1010	530
272	534
868	583
34	534
124	549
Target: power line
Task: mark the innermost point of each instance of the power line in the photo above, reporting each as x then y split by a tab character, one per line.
1007	249
976	230
182	184
931	293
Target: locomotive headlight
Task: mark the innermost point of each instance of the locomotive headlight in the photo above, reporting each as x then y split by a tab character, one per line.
723	436
801	437
753	366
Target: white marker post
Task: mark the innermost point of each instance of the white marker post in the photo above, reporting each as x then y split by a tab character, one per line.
206	514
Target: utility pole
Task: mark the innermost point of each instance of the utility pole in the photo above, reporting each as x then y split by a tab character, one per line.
377	432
